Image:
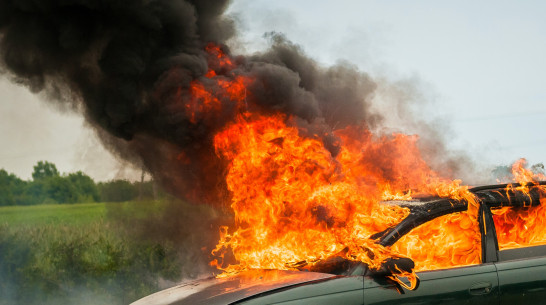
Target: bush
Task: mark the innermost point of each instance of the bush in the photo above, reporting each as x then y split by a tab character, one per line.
12	189
123	190
88	264
117	191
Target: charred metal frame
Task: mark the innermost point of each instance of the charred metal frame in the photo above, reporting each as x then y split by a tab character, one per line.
489	197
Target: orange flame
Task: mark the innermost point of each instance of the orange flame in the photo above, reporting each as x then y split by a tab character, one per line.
208	99
524	175
295	203
434	245
523	226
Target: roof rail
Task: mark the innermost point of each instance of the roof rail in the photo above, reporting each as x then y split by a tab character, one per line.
503	186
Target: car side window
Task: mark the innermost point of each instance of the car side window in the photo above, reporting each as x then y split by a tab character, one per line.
521	231
452	240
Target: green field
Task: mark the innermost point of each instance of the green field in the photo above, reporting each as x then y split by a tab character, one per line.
96	253
52	214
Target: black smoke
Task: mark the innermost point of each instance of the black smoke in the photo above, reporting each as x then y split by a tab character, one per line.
127	66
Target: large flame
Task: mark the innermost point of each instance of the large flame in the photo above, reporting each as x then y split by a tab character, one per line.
447	241
523	226
296	204
297	201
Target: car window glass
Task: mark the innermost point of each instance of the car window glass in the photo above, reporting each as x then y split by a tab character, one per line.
520	227
452	240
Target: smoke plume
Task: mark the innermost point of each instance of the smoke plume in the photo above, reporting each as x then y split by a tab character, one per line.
128	67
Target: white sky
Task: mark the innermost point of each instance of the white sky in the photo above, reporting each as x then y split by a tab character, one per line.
482	63
32	130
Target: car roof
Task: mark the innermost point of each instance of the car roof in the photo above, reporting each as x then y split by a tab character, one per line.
426	209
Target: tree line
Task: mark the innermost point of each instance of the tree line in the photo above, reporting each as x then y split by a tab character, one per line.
49	186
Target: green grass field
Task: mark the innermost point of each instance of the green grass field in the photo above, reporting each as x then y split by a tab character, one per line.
52	214
97	253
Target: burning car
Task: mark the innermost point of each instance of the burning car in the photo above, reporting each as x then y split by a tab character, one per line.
313	164
510	269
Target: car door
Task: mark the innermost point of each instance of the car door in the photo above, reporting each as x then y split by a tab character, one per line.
521	262
522	278
465	285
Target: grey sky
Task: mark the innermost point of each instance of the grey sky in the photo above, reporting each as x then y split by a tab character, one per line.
479	63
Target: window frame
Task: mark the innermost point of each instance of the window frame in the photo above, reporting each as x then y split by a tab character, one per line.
446	207
514	253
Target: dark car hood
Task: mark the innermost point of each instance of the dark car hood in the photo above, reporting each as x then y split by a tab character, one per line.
227	290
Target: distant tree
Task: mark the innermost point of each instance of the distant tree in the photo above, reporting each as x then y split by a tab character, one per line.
502	174
6	195
85	186
48	186
117	191
36	192
60	190
12	189
43	170
73	188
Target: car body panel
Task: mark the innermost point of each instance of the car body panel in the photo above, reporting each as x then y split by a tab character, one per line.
522	281
228	290
340	290
466	285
